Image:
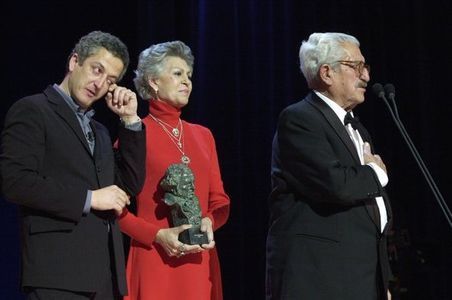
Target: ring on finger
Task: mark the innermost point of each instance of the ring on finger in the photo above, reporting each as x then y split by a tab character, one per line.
181	248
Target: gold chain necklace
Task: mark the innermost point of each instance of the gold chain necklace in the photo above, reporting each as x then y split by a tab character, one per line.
174	130
178	140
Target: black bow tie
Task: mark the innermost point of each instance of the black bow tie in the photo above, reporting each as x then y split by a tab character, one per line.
354	121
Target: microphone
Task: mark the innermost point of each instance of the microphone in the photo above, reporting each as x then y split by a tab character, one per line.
377	88
390	93
389	89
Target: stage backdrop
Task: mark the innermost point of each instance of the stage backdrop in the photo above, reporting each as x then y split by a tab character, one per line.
246	71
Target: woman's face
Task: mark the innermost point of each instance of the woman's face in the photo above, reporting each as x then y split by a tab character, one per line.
173	86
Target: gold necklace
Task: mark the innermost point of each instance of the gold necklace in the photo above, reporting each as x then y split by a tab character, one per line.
174	130
178	140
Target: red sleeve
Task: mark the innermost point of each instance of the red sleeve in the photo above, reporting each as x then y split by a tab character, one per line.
138	228
219	202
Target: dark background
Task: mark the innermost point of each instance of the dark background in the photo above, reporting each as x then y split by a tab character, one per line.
246	71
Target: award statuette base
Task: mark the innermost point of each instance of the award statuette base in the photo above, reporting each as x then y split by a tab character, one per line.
193	236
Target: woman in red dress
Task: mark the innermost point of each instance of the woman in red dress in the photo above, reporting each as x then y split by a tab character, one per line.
159	265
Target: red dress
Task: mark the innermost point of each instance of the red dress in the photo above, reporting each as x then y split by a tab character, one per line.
151	273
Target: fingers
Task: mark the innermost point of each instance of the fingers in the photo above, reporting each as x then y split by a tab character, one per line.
181	228
209	246
210	235
206	226
109	95
369	157
171	251
169	239
367	149
184	249
380	162
177	251
122	101
112	87
120	197
180	250
192	248
109	198
122	96
378	159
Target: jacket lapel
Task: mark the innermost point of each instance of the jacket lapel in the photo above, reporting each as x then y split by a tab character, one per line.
98	138
66	114
340	130
335	123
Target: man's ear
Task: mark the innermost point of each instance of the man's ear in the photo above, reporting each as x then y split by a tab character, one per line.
326	74
73	61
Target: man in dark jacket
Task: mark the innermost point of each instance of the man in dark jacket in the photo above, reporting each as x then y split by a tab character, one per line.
58	165
329	211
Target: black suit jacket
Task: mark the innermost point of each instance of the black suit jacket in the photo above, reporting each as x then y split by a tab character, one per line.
47	168
324	240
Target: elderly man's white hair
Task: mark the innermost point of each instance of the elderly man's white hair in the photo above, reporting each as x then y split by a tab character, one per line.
322	48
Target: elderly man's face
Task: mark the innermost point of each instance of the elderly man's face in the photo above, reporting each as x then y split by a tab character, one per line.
350	79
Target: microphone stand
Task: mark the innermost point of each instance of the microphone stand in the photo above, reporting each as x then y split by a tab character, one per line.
395	116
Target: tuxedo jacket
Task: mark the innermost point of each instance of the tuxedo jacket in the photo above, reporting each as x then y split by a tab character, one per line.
47	168
324	240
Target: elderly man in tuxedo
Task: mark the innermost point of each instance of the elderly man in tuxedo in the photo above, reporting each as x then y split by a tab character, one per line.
329	210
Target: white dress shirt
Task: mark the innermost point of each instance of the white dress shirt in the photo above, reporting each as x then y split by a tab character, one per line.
359	145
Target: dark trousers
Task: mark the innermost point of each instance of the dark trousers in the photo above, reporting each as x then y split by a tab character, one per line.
381	293
107	291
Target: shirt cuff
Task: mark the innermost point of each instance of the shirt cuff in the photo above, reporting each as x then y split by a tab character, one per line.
135	126
87	206
382	176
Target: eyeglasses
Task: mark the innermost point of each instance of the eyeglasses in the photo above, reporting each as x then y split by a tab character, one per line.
356	65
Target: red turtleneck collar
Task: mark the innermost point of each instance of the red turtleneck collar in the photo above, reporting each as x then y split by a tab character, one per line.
164	111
